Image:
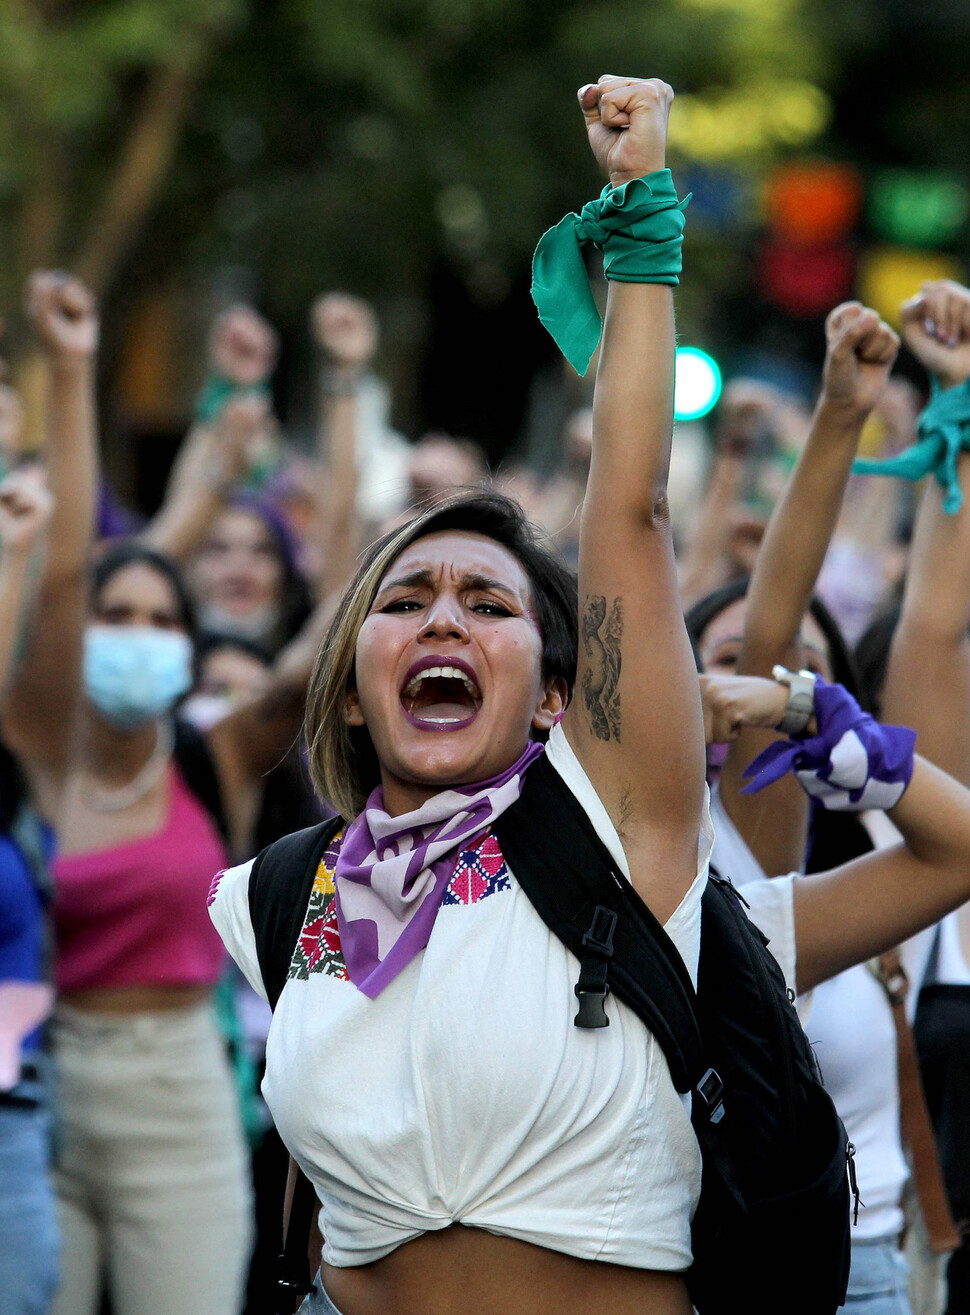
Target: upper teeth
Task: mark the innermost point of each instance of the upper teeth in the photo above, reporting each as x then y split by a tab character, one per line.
450	673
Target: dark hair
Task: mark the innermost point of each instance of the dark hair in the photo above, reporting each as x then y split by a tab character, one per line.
131	553
296	602
703	612
872	657
215	641
13	789
343	763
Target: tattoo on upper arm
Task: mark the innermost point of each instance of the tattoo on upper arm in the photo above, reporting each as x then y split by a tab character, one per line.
602	631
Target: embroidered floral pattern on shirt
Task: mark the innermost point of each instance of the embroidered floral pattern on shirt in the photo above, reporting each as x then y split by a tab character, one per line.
479	872
318	949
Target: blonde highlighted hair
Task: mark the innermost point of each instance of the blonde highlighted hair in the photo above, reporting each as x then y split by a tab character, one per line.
343	764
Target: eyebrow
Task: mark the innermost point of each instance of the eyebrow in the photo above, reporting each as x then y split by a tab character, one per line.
470	581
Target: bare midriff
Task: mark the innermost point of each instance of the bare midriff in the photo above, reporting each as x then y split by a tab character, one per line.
136	999
467	1271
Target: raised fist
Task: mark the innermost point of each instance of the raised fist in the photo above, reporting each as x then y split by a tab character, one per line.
344	327
748	411
936	329
25	508
626	122
860	351
243	347
63	314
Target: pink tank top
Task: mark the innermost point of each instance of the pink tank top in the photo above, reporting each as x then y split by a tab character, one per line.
136	915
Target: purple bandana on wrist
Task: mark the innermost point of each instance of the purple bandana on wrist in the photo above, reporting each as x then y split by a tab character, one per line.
392	872
851	764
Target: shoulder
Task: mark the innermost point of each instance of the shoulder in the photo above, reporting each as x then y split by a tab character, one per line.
229	910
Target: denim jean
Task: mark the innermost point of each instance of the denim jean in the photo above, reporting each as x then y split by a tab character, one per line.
29	1243
318	1303
877	1279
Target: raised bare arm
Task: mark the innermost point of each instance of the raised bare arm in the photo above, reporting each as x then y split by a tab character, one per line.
846	916
635	722
254	739
859	355
25	510
242	353
40	708
928	677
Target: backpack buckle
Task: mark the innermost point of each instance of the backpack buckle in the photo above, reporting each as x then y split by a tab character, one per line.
592	1007
593	987
710	1091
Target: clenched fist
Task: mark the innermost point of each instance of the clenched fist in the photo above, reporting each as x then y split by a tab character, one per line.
732	702
860	351
25	509
936	329
345	327
63	314
243	347
626	122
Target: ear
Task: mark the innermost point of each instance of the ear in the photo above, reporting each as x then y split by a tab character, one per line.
353	714
551	706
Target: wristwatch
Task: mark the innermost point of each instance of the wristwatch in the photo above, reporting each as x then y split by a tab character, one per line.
801	699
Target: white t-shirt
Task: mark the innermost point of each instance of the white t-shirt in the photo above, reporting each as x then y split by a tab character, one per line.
851	1030
464	1093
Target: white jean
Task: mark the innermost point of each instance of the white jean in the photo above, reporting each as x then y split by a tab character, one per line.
151	1168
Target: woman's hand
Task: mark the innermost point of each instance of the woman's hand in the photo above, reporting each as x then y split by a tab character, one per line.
243	347
345	329
733	702
64	316
860	349
626	122
26	506
936	329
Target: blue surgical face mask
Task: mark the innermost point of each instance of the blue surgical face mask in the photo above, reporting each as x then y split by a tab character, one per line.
135	673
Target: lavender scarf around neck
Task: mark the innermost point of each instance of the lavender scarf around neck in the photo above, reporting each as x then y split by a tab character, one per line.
392	872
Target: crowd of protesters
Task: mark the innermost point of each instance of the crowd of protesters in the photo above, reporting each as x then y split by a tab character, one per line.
153	687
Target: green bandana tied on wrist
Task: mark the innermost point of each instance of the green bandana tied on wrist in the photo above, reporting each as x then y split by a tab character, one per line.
216	392
944	430
638	226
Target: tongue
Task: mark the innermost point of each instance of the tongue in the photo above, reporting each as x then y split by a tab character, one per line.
443	712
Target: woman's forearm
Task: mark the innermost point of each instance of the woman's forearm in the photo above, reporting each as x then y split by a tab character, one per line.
15	577
72	465
797	539
846	916
928	676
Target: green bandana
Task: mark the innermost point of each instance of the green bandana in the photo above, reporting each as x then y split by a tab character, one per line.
944	430
639	227
216	392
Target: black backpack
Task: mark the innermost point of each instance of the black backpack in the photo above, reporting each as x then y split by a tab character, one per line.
771	1231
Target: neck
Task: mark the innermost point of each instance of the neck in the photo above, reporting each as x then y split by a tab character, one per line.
114	754
405	796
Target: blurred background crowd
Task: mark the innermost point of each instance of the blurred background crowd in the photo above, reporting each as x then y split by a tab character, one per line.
235	433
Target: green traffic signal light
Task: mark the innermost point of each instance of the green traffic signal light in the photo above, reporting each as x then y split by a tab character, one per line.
697	383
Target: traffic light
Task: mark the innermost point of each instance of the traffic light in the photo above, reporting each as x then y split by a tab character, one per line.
697	383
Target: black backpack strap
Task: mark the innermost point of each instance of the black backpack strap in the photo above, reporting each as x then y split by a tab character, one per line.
279	891
571	879
293	1277
194	760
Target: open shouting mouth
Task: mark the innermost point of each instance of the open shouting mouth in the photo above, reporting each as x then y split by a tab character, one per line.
441	694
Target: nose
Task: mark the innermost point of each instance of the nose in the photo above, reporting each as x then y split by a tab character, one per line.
444	620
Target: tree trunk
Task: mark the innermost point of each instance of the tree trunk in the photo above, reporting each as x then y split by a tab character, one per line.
145	159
